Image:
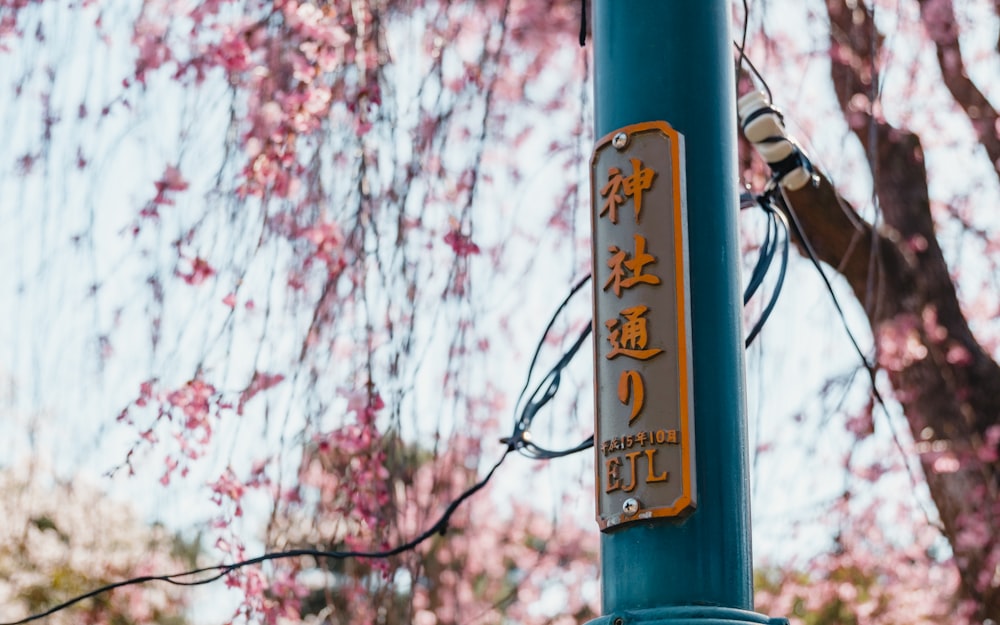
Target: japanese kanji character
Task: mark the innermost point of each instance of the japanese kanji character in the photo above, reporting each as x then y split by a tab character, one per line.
640	180
631	337
620	262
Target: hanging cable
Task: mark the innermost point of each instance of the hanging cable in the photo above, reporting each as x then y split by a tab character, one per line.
777	232
788	165
521	439
763	126
744	59
222	570
870	368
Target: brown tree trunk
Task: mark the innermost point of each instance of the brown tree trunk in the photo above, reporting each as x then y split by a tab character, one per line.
949	387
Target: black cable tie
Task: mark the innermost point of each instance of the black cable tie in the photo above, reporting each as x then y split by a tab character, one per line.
760	113
583	23
787	165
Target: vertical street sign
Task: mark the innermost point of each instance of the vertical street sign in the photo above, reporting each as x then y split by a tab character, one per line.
675	515
644	436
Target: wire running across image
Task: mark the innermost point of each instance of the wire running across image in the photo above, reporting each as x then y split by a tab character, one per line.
519	440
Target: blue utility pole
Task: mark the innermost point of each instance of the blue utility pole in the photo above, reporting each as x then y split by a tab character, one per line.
675	543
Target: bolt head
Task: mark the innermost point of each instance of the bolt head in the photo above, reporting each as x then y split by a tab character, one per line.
630	506
620	140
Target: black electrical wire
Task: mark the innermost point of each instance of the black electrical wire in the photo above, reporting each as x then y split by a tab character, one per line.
786	208
221	570
545	390
775	194
744	59
519	440
746	26
778	197
742	45
776	222
765	255
777	225
548	328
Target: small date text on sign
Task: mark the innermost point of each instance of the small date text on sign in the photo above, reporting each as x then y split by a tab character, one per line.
644	432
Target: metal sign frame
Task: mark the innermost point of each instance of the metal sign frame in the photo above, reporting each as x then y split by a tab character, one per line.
644	413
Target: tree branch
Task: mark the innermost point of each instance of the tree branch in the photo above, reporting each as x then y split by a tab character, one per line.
938	17
943	378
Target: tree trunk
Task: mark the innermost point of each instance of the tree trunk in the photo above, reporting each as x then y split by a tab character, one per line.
949	387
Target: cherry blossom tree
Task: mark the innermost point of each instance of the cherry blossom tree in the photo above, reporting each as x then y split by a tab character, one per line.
883	562
920	256
491	565
63	538
298	244
300	247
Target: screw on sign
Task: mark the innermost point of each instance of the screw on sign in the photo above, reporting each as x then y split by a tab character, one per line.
644	417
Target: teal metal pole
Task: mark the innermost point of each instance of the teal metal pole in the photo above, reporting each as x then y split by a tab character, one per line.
662	60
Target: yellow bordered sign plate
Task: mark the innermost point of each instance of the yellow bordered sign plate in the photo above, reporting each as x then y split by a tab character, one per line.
644	426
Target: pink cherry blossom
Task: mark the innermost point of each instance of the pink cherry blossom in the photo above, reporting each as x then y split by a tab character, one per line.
197	271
